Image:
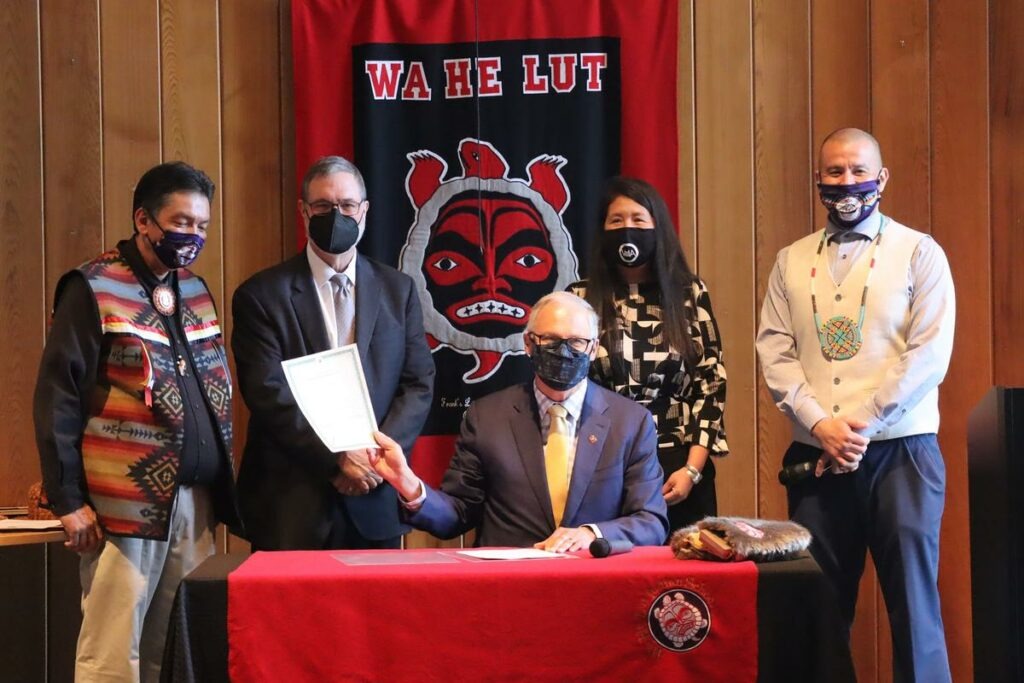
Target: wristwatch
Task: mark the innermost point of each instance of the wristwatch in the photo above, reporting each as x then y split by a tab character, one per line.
694	473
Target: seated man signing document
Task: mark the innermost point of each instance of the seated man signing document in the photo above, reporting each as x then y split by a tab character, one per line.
552	464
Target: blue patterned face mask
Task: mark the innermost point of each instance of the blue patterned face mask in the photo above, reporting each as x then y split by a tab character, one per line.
848	205
177	249
559	365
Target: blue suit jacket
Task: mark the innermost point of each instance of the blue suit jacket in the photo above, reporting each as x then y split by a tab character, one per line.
496	482
284	482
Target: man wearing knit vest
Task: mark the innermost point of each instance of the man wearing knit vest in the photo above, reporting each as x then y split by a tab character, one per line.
855	337
133	424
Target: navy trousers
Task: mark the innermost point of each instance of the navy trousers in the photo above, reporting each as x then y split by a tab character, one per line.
345	535
892	505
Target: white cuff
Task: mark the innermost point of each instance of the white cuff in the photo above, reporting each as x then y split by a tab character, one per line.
594	528
417	502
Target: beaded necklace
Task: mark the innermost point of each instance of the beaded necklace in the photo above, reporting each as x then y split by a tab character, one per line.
840	337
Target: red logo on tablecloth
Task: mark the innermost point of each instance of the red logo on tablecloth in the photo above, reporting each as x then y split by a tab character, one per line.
679	620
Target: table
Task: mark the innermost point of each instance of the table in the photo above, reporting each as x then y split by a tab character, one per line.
801	636
31	537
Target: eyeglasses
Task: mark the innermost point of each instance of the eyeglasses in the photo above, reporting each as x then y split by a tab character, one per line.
580	344
348	207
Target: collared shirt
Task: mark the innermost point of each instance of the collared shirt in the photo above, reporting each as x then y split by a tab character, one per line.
846	246
928	341
322	274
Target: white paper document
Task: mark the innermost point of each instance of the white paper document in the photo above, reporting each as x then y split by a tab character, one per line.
513	554
330	390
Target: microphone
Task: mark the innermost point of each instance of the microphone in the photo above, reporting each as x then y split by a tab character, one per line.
791	474
602	547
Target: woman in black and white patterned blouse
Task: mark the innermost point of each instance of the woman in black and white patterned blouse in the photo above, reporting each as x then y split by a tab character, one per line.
659	341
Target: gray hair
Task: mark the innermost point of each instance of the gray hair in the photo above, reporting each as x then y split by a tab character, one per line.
328	166
565	299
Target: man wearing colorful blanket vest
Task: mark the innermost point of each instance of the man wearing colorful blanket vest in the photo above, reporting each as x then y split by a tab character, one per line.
856	334
133	424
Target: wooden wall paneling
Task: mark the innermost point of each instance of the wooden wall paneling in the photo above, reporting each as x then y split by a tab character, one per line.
899	106
251	131
22	307
190	61
900	120
289	216
782	200
840	72
72	153
725	224
191	117
130	63
960	210
1007	149
841	97
686	125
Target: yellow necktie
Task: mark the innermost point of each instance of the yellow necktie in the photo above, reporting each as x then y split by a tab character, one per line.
556	460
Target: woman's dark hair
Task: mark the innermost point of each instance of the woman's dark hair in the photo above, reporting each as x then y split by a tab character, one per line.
161	181
671	272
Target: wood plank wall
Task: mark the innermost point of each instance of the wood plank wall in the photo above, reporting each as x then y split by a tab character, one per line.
93	92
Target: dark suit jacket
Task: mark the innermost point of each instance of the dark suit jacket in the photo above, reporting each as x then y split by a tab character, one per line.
284	484
496	482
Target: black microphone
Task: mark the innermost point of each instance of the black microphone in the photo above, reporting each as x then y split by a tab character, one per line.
602	547
791	474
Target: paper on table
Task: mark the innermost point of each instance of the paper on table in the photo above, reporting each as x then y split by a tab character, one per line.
512	554
29	524
330	390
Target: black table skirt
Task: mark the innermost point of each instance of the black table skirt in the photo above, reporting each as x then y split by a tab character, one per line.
801	634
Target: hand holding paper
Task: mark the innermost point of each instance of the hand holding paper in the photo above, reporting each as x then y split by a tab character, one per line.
390	463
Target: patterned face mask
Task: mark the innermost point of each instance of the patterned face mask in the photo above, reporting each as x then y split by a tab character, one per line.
176	249
848	205
559	365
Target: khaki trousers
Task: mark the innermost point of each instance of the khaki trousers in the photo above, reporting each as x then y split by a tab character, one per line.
128	587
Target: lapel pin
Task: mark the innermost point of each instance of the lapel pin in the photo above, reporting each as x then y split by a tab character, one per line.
592	439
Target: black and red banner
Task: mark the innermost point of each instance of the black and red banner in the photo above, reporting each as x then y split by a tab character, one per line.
484	130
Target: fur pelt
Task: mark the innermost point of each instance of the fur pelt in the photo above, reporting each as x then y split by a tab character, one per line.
760	540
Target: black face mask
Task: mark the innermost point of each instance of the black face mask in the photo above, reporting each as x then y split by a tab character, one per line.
334	232
559	365
630	247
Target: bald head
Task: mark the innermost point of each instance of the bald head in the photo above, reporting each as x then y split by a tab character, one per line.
849	156
851	137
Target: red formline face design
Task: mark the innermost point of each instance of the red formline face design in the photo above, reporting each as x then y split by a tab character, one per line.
484	248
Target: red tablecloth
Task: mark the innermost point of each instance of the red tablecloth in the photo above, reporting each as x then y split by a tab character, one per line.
295	616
